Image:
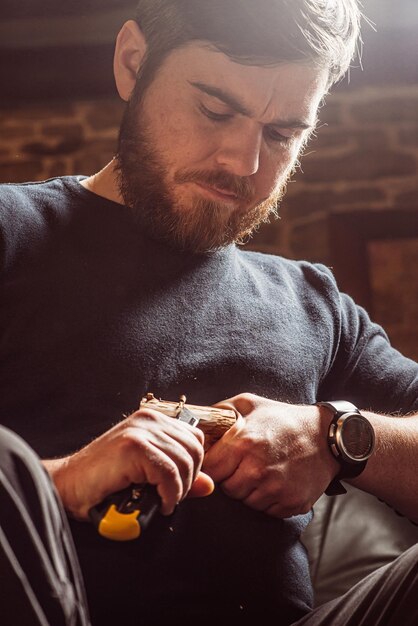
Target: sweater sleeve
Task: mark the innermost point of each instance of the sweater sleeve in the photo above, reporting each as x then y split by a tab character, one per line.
366	369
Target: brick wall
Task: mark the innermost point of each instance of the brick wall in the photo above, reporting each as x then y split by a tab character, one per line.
365	153
44	140
364	162
365	156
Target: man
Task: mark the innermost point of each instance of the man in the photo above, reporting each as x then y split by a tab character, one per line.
130	281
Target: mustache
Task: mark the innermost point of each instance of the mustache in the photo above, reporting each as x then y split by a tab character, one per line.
241	187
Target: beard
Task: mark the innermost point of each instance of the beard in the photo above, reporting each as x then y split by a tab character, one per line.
203	225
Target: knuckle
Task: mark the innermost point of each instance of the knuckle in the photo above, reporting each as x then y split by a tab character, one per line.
195	445
229	491
131	440
257	474
244	443
199	434
183	468
248	397
170	471
192	453
144	414
246	402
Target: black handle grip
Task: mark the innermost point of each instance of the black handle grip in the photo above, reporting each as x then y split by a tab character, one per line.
123	515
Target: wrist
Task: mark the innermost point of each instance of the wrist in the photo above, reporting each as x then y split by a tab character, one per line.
57	470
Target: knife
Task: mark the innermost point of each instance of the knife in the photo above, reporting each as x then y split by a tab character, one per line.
124	515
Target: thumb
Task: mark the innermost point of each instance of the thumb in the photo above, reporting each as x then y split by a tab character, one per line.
202	486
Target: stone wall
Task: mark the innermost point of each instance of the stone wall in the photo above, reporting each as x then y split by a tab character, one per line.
364	158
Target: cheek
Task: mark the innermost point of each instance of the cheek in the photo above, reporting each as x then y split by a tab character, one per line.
184	144
167	126
274	168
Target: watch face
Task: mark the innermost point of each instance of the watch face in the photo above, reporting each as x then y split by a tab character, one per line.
356	437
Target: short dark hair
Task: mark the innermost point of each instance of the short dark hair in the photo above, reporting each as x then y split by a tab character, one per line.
255	32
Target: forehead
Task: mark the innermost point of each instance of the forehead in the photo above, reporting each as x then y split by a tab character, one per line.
281	90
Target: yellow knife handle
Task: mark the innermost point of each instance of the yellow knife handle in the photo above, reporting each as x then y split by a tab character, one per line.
123	515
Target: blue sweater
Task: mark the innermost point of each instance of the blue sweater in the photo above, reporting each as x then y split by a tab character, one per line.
94	315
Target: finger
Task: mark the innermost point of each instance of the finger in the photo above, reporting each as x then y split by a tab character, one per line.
260	501
276	503
224	456
270	498
191	439
186	451
242	403
202	486
167	465
236	487
178	443
178	474
176	428
221	461
183	427
159	470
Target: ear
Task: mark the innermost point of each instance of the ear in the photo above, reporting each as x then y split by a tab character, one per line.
129	53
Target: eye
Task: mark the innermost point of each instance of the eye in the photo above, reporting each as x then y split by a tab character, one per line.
212	115
277	136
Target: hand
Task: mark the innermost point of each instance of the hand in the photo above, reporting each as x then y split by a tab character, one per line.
275	458
146	447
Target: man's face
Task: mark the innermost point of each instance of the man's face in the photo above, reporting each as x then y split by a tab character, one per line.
206	151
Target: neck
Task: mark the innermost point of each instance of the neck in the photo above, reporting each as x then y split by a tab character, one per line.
104	183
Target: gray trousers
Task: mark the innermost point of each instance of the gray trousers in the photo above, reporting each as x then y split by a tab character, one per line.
41	583
387	597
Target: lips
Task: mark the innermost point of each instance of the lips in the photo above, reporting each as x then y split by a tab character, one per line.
225	192
222	194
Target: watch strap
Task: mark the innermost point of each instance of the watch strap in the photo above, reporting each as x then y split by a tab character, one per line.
348	471
339	406
335	488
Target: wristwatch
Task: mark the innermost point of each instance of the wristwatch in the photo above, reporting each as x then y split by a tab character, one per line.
351	440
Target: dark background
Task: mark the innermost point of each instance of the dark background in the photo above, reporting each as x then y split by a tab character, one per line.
53	48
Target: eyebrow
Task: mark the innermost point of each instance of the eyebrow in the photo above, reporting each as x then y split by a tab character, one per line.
238	106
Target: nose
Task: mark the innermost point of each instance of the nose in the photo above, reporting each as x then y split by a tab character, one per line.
239	153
